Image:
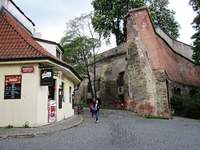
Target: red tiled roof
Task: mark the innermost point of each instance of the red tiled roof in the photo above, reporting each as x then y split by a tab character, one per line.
16	43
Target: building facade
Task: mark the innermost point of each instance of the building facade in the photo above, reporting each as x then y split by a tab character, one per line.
145	71
36	86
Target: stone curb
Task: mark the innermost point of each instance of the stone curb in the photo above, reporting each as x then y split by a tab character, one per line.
31	135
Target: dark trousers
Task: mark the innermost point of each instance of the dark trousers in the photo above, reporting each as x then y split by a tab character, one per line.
97	115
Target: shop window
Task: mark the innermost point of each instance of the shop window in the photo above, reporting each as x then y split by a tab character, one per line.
12	87
61	95
70	94
52	91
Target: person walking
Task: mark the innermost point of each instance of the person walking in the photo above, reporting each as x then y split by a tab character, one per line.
96	108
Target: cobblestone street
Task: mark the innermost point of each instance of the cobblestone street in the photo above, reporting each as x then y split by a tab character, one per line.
117	130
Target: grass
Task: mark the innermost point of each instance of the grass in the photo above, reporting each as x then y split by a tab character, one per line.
155	117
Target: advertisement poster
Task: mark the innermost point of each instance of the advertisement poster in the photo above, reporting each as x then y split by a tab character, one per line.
51	111
12	87
46	77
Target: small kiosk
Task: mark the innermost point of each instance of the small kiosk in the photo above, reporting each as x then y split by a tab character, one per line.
36	86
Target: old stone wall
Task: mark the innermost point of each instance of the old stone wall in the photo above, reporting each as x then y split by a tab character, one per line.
108	68
149	68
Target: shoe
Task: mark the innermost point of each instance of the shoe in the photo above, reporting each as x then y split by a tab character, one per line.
97	121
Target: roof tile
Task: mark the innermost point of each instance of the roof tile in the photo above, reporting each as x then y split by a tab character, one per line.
17	43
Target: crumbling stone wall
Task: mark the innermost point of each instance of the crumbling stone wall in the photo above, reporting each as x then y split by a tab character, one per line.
108	67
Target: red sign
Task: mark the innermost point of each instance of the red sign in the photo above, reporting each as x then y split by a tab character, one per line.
13	79
27	69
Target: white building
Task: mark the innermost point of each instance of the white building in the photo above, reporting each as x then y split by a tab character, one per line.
36	86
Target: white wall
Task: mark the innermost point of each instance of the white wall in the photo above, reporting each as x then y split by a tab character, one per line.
17	111
66	110
17	14
51	48
33	105
42	103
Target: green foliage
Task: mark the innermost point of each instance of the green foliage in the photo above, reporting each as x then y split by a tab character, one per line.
186	106
155	117
109	17
79	43
76	51
196	24
164	17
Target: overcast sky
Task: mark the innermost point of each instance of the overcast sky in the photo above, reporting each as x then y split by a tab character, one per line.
50	16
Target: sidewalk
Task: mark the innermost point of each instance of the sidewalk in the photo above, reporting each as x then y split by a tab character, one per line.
43	130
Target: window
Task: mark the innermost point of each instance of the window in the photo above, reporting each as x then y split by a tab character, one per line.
70	94
58	54
63	91
61	95
12	87
52	90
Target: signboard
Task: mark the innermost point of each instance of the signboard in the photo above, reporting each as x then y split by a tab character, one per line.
12	87
46	77
27	69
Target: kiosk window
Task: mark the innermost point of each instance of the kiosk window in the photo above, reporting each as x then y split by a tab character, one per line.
61	95
70	94
12	87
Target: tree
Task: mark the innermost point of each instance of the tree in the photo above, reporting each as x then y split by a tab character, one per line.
164	17
109	17
196	24
80	45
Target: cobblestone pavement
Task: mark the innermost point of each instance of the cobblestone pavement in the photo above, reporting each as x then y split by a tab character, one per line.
45	130
117	130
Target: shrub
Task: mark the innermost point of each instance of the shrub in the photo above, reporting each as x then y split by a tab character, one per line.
26	125
186	106
9	126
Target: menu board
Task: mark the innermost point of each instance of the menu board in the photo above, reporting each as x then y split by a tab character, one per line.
12	87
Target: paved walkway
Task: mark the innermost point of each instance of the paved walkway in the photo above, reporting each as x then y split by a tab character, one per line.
117	130
43	130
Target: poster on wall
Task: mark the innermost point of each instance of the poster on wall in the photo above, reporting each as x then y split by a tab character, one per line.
46	77
51	111
12	87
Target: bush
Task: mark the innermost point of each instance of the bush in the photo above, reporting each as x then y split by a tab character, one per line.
9	126
186	106
26	125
